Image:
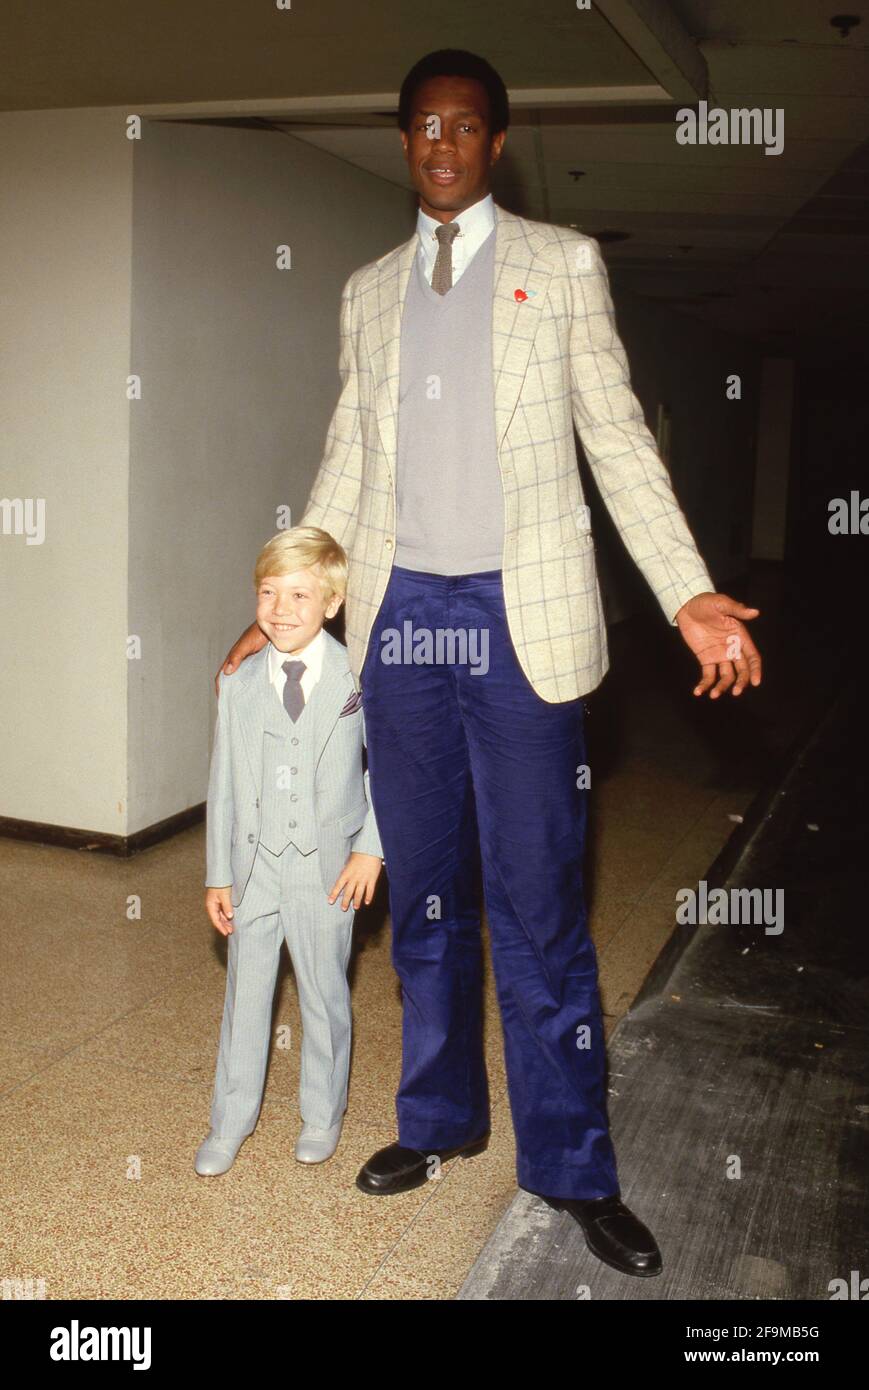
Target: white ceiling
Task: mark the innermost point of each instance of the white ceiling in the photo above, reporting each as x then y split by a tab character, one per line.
772	246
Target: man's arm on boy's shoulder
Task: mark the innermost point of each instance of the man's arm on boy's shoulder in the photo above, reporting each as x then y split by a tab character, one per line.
253	639
334	501
219	808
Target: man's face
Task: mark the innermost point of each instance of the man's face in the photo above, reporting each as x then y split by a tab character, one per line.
449	130
290	609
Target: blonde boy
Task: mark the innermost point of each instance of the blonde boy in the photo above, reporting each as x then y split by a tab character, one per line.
292	845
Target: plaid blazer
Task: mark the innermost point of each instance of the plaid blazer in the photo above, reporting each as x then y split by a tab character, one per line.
557	362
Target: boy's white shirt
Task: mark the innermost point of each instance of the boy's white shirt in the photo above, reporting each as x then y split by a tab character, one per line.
312	655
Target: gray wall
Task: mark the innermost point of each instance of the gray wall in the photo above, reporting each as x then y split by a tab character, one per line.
64	437
239	367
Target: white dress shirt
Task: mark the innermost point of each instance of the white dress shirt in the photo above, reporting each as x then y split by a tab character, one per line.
475	224
312	655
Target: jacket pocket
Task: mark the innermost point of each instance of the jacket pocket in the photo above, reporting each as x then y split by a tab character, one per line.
353	820
576	534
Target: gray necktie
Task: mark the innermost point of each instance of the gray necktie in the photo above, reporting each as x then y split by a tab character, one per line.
442	276
294	695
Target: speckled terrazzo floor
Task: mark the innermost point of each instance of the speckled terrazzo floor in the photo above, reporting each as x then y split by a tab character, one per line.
109	1033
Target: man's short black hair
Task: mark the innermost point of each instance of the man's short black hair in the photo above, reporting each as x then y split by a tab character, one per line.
455	62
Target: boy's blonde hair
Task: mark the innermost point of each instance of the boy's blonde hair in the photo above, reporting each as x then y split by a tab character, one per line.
305	548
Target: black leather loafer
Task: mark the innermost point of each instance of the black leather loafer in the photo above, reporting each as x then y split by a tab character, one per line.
399	1169
613	1233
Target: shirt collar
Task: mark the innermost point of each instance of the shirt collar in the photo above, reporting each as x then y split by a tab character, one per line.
312	655
478	218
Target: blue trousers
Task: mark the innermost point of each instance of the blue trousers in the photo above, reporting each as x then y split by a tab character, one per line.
461	751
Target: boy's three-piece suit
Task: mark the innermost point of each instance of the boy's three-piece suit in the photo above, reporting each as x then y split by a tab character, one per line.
287	802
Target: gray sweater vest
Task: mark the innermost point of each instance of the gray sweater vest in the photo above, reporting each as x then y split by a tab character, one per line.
288	778
450	501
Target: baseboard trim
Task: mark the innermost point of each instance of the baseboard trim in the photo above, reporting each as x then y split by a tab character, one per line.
97	841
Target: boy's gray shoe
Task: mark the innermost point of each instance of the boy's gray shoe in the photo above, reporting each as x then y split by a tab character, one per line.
316	1145
215	1156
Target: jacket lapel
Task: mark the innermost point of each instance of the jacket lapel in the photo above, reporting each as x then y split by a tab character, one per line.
514	322
327	700
255	674
330	693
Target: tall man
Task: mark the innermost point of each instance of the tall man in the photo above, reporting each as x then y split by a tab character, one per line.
475	626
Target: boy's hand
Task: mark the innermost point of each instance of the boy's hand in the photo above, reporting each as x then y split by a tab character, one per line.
253	639
218	905
358	879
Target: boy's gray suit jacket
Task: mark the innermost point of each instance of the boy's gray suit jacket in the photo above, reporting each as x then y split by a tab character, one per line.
342	805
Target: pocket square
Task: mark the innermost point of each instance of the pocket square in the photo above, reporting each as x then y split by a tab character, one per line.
353	704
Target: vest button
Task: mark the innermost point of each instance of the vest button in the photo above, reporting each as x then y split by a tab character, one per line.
291	825
294	740
388	543
294	770
250	839
293	797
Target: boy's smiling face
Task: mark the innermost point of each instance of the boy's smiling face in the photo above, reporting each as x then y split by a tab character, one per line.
290	609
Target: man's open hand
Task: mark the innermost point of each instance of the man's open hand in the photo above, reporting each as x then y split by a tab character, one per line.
253	639
358	879
710	624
